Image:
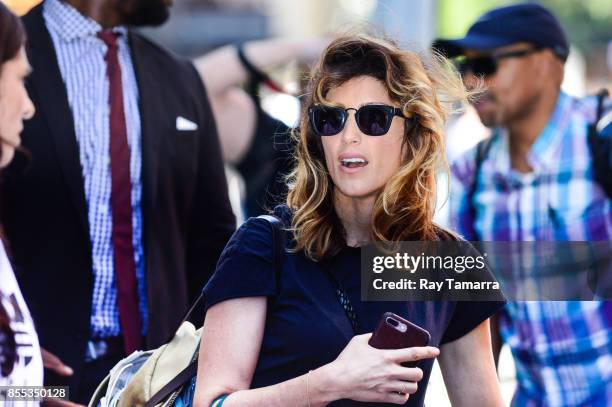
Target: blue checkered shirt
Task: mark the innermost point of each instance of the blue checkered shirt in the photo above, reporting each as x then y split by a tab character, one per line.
80	54
562	349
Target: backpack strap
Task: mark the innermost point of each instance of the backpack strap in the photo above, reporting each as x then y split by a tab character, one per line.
278	243
599	111
482	150
600	144
601	96
180	379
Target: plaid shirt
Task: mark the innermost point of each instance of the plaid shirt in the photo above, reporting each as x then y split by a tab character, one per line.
562	349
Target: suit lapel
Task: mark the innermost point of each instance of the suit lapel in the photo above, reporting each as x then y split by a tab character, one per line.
151	111
46	79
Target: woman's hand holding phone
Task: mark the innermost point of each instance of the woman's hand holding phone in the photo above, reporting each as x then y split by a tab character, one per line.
364	373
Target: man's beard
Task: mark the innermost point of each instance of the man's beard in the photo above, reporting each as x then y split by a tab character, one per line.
145	12
489	119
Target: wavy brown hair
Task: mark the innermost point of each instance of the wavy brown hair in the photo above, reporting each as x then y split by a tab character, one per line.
424	88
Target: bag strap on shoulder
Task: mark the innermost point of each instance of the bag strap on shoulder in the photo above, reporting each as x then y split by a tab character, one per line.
600	144
180	379
601	96
278	242
482	150
599	112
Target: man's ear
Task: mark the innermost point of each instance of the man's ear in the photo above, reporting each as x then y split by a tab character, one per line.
551	66
545	62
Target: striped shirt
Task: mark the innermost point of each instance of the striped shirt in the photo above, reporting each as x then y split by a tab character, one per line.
80	54
562	349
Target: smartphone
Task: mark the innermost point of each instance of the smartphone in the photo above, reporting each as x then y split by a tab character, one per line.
394	332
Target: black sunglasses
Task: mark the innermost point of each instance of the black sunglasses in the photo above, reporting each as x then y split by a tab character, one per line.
373	120
486	65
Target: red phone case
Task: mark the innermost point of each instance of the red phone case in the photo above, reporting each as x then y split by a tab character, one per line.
391	334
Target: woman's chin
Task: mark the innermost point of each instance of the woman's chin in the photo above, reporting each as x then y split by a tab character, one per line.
8	152
357	192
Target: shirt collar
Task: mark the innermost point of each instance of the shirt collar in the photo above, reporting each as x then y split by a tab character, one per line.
546	145
542	151
70	25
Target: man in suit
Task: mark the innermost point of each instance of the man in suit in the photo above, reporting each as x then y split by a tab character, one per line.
118	213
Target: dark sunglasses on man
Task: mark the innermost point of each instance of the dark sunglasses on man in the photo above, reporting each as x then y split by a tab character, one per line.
372	120
486	65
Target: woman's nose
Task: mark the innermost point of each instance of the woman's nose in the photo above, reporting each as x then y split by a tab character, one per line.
351	133
29	108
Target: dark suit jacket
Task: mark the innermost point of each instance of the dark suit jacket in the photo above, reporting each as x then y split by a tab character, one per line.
186	212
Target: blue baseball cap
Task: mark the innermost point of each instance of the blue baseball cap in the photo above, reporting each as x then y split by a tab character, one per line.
503	26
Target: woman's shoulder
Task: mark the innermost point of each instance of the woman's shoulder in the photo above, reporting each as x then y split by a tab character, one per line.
250	263
255	235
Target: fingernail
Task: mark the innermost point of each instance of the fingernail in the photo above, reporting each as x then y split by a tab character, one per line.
68	370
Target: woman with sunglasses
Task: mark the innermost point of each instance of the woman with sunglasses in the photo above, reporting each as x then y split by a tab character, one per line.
367	149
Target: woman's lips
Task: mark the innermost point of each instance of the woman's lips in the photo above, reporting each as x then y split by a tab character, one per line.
352	162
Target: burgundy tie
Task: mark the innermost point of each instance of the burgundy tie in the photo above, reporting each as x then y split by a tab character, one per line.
121	203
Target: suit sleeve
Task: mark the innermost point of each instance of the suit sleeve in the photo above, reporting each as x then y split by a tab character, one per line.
212	219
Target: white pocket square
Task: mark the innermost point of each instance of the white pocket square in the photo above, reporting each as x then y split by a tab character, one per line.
184	124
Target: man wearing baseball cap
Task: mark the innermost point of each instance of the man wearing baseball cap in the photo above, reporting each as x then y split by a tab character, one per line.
532	181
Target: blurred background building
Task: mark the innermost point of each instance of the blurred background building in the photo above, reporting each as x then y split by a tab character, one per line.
198	26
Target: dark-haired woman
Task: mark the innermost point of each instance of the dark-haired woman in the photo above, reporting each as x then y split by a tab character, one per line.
20	357
367	151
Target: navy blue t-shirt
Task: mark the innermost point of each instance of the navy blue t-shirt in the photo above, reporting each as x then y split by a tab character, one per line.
306	327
